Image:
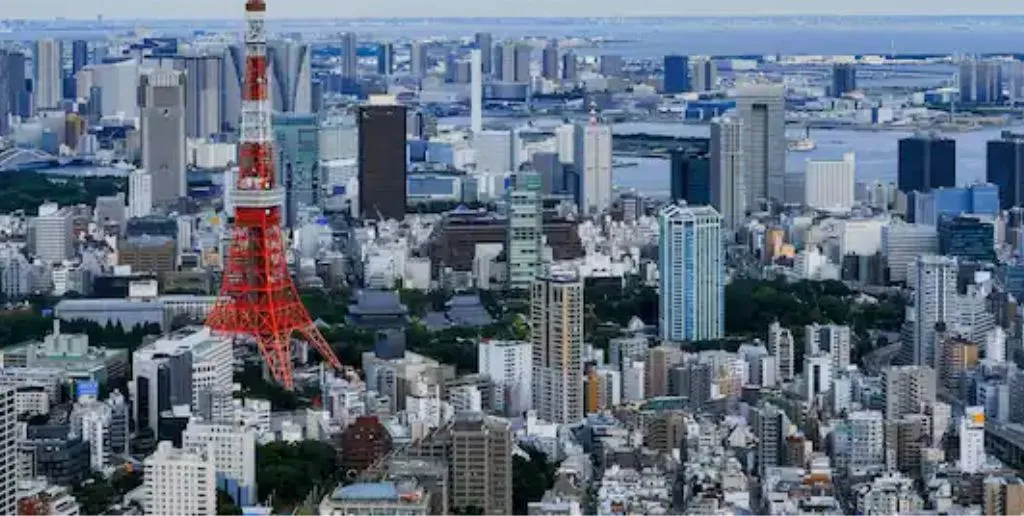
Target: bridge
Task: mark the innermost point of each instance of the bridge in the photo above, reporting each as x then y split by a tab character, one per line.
16	159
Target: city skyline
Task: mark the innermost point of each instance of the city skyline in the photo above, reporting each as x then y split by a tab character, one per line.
320	9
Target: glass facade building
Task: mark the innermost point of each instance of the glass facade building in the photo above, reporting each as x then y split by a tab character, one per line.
691	267
677	74
926	162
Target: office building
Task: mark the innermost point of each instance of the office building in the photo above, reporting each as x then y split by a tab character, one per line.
525	230
704	75
658	367
556	314
484	42
179	482
691	273
233	61
569	67
509	364
350	59
828	185
9	452
79	55
763	111
934	280
970	238
972	440
297	161
104	425
931	207
118	85
677	74
481	462
47	89
476	93
419	59
903	243
1003	495
405	498
162	103
290	75
549	62
496	151
140	193
907	390
385	59
926	162
51	234
382	160
781	345
981	82
728	165
770	427
233	451
1004	166
691	176
832	340
861	438
13	93
592	157
148	254
844	79
611	65
204	77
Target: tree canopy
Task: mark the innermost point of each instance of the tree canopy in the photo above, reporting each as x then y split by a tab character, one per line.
288	471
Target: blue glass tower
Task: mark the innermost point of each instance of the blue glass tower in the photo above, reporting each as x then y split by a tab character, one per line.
677	74
691	267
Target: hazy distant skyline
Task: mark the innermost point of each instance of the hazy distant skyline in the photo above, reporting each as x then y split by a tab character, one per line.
220	9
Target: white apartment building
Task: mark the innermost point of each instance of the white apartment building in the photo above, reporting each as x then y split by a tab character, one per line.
633	381
234	456
831	339
509	364
902	243
140	193
180	482
972	440
828	185
592	155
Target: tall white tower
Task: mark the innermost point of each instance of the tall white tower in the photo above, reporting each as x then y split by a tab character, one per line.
592	151
476	95
48	82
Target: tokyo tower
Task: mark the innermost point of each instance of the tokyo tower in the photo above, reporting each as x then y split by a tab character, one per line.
258	299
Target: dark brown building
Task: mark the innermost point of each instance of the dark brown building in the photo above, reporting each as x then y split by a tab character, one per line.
152	254
454	241
363	443
382	166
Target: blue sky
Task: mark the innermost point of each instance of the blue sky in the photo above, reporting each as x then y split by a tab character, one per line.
454	8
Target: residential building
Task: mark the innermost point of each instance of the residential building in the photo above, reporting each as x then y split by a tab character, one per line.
556	315
509	364
832	340
828	185
691	273
9	452
782	347
382	160
232	450
907	390
934	280
728	182
179	482
971	431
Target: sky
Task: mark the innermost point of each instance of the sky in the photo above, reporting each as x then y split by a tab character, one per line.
221	9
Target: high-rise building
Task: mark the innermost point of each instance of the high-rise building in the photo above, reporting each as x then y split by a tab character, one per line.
297	161
233	60
12	87
162	103
549	62
658	367
485	43
926	162
728	171
233	453
349	58
934	280
140	193
556	314
1004	166
844	79
8	451
515	62
968	237
862	439
972	440
509	364
495	150
610	65
419	59
204	76
290	76
382	158
907	390
47	89
829	185
476	93
781	345
481	462
902	243
117	82
524	241
705	74
592	150
677	74
931	207
179	482
569	70
981	82
691	273
817	376
763	110
385	59
691	176
830	339
1004	495
52	234
79	55
770	426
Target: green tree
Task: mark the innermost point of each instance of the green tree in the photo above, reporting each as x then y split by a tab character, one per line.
288	471
531	478
225	505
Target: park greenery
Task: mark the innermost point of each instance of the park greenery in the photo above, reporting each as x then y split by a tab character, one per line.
26	190
96	494
286	473
531	478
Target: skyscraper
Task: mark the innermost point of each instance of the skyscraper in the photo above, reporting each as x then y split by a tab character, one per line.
12	87
569	72
549	61
234	456
981	82
907	390
349	58
728	163
79	55
476	93
1005	168
592	148
844	79
162	103
556	316
610	65
781	345
704	75
382	159
763	110
8	452
291	79
179	482
481	463
231	92
926	162
47	89
385	59
828	185
419	59
485	43
934	280
677	74
140	193
691	275
297	161
830	339
495	150
204	76
691	176
525	229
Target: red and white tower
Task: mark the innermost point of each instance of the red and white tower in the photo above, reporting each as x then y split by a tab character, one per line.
258	299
